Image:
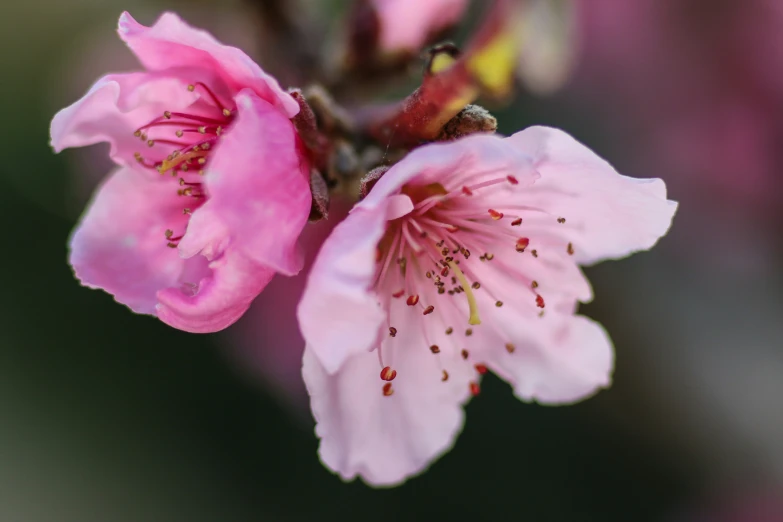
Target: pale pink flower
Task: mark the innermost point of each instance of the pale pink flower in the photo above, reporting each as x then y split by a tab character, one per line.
212	189
408	25
462	259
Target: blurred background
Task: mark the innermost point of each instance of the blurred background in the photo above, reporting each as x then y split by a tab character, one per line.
108	416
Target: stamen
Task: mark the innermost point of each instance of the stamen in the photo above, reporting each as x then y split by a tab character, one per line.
539	301
474	389
561	220
522	244
570	249
510	348
472	304
464	354
392	331
388	391
388	374
516	222
445	376
494	214
481	369
435	348
412	300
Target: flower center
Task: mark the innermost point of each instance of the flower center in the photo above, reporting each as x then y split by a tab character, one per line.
431	248
197	132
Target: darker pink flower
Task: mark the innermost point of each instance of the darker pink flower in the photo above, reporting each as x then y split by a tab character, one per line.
464	259
212	190
408	25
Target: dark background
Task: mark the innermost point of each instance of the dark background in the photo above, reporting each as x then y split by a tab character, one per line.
109	416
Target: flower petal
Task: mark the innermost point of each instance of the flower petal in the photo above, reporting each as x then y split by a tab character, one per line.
170	43
339	315
472	159
563	359
407	25
258	186
608	215
114	108
120	243
218	298
384	439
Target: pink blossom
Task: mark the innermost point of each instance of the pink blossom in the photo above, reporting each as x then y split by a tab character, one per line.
408	25
211	191
463	259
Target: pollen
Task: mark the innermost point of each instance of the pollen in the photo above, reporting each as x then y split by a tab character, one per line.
388	374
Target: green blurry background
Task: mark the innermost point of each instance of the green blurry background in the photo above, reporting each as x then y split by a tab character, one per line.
108	416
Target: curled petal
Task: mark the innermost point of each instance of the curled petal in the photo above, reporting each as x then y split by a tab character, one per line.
258	183
473	158
608	215
339	315
120	243
114	108
217	296
170	43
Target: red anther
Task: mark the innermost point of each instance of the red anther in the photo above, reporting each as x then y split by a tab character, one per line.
467	191
452	228
412	300
387	389
481	369
435	348
494	214
387	374
510	348
474	389
429	310
539	301
512	180
464	354
570	249
516	222
399	293
445	271
445	376
522	244
392	331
